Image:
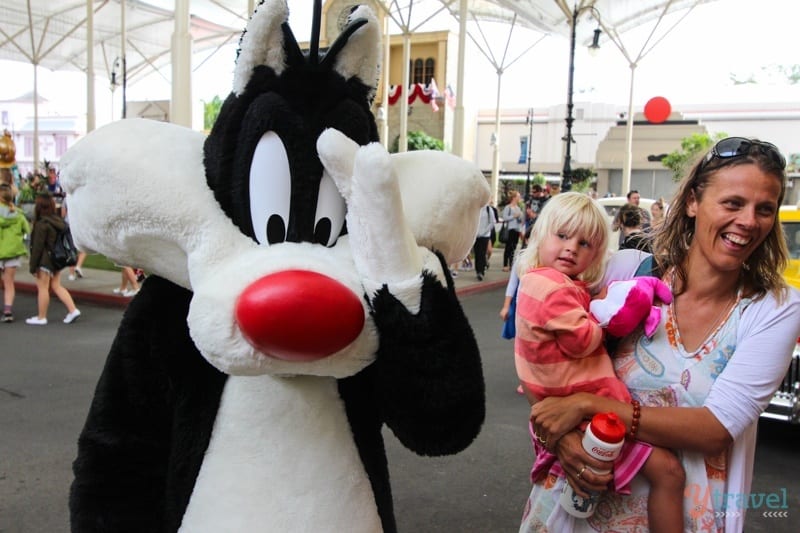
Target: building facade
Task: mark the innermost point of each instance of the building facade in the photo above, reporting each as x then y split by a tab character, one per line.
599	134
56	132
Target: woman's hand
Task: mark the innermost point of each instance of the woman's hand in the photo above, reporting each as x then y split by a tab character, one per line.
553	417
581	469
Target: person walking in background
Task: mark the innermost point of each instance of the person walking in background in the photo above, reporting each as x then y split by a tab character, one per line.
13	228
634	198
717	356
656	214
512	214
486	222
633	236
539	198
558	350
47	223
493	236
530	218
75	271
129	283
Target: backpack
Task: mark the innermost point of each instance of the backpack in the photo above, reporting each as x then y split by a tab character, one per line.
63	253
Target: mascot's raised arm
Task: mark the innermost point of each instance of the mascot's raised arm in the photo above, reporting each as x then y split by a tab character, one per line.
299	301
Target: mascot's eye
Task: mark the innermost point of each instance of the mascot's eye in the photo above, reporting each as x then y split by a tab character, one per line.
270	190
331	209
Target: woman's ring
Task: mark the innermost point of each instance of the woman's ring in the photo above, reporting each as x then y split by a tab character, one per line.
581	471
542	441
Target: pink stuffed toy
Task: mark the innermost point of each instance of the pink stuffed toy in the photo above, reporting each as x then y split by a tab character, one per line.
630	303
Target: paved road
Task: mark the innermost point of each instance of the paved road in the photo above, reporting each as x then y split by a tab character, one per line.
47	377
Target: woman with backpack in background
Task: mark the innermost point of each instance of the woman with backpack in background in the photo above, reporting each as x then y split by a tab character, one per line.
46	226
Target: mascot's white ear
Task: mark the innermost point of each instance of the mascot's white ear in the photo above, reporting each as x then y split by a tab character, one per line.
362	55
261	43
442	198
137	194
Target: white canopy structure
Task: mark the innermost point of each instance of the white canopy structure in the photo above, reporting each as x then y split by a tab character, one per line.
140	36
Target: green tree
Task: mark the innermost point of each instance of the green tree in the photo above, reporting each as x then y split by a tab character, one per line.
789	74
679	161
792	73
210	112
418	140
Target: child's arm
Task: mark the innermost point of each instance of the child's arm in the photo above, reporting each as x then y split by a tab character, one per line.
506	307
556	310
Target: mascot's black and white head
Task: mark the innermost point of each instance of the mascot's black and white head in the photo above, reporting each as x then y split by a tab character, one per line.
261	157
288	218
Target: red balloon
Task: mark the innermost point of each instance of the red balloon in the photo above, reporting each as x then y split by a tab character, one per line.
657	109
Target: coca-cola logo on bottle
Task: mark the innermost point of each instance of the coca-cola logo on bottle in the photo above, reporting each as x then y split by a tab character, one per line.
604	452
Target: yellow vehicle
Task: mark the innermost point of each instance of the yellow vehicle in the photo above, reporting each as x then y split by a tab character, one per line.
785	403
790	218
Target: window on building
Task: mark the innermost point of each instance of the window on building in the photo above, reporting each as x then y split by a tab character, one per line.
429	64
422	70
5	118
418	71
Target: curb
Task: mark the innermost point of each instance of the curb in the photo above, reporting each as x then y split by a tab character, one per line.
121	302
93	297
481	287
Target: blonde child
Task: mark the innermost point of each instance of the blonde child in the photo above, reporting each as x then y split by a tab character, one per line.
13	228
559	347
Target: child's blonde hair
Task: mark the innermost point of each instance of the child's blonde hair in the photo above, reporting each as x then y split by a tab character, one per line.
571	213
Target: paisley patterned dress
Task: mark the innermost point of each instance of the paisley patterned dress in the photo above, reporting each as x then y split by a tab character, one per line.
658	372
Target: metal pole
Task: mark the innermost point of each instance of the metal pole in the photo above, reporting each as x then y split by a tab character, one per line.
405	88
458	116
90	98
628	163
530	143
123	38
496	148
566	173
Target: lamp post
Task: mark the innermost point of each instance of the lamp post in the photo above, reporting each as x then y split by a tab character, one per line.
529	122
566	172
119	63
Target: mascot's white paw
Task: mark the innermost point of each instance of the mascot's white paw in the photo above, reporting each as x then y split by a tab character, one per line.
393	219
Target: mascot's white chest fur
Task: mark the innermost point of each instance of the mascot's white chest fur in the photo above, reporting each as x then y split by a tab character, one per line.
260	464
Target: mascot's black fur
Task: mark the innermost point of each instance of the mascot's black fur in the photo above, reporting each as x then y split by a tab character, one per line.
155	410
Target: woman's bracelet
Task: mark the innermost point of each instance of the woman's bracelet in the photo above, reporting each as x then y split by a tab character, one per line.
637	413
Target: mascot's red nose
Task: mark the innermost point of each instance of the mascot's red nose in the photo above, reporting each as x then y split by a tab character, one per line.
297	315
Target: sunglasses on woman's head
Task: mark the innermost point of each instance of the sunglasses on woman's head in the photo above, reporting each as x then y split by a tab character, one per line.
739	147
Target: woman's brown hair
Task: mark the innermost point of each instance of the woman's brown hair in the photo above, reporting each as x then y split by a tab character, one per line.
762	272
45	205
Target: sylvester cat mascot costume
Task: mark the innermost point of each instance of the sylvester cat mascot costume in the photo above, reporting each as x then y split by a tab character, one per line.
299	301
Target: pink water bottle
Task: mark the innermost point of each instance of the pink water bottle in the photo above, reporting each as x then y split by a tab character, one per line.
603	440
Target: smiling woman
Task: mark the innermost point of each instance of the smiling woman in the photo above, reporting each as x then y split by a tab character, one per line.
717	356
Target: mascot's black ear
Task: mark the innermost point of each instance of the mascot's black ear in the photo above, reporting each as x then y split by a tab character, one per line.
268	41
262	43
332	88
